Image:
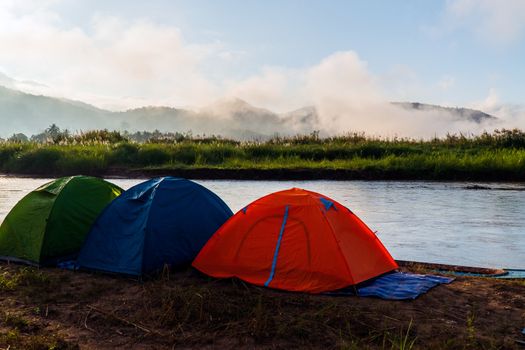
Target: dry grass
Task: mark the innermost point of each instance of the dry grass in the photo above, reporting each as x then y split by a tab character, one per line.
185	309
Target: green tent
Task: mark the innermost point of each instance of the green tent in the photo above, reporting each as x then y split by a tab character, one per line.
51	222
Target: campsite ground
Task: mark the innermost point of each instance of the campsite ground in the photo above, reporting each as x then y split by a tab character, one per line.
57	309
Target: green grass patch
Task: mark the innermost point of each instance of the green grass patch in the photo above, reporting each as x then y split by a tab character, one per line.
33	283
499	155
14	340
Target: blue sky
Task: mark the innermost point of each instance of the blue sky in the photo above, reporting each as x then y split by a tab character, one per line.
454	53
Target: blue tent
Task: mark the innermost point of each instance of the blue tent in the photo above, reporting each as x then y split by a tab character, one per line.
161	221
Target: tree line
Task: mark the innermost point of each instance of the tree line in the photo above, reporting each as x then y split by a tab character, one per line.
54	135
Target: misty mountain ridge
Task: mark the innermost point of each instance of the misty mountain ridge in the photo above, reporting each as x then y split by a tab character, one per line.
229	117
458	112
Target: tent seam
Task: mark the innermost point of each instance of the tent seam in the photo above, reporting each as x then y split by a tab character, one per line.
57	196
337	244
153	191
277	247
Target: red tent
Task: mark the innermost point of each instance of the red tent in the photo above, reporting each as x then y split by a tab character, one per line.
295	240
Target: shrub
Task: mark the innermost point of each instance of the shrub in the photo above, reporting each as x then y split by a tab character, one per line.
124	154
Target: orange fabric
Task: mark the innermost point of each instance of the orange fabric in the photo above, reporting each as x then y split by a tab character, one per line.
320	249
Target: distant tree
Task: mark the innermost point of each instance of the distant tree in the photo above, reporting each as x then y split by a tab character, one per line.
63	135
40	138
18	138
53	131
52	134
103	136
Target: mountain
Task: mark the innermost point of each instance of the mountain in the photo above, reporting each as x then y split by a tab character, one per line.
6	80
456	113
30	114
302	121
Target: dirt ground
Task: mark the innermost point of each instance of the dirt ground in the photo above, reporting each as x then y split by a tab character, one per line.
56	309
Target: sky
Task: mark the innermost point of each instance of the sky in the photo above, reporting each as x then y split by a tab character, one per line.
276	54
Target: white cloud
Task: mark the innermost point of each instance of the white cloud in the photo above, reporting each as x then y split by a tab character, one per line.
499	22
509	116
401	83
232	55
119	64
277	88
116	60
342	90
491	102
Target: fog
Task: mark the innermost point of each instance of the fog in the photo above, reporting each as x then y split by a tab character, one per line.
116	64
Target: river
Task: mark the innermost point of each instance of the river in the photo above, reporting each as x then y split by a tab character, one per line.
441	222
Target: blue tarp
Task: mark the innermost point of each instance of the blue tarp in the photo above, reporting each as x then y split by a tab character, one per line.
395	286
157	222
68	265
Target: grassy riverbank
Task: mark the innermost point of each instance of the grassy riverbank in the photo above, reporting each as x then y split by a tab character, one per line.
496	156
54	309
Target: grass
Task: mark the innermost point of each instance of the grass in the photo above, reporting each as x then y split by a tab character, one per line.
14	340
186	309
24	277
17	330
499	155
32	283
402	342
16	321
197	313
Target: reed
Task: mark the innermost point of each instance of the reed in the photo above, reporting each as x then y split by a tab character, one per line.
500	154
